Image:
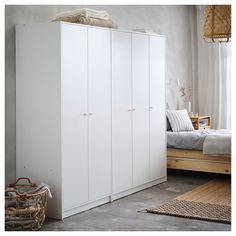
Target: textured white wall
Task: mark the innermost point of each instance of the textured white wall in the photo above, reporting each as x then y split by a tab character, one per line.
176	22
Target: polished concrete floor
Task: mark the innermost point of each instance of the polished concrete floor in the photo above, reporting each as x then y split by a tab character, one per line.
127	214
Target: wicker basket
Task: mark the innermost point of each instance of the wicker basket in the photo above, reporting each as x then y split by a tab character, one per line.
24	207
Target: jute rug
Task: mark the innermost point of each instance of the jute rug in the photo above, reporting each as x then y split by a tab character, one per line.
210	201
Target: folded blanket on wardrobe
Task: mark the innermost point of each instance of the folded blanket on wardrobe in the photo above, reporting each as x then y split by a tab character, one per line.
91	21
84	12
97	22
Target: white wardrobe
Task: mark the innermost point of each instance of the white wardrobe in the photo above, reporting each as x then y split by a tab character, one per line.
90	112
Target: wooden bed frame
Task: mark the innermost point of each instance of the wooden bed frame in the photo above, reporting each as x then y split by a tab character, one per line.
183	159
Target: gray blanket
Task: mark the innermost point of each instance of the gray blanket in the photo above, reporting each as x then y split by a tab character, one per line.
218	143
194	140
187	139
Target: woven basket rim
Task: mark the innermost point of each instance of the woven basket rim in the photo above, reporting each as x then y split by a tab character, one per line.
27	195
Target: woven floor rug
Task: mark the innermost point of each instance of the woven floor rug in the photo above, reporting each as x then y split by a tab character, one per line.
210	201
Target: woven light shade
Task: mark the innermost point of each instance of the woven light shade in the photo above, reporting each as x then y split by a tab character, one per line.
217	26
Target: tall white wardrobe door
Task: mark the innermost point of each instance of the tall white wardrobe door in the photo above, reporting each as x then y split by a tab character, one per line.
121	111
74	118
157	108
99	93
140	81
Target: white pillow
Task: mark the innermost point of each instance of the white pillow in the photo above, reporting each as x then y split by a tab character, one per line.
179	120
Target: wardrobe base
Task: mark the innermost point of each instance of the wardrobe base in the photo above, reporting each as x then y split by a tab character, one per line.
111	198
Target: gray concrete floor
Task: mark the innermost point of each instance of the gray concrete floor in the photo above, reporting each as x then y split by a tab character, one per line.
124	215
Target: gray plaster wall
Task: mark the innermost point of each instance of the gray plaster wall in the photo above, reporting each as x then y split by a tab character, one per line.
176	22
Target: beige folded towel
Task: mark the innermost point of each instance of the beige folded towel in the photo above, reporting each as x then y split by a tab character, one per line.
84	12
91	21
97	22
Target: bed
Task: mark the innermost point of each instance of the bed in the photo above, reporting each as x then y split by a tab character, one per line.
200	150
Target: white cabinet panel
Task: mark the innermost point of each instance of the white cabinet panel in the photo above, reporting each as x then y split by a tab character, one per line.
140	91
157	105
74	121
99	94
121	111
38	108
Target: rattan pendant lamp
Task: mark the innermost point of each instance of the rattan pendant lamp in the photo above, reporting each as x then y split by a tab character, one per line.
217	23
